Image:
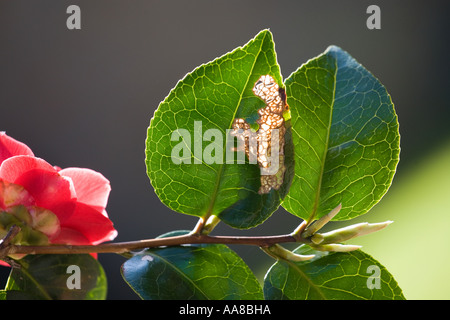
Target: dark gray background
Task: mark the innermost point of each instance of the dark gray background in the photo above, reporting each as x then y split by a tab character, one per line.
85	97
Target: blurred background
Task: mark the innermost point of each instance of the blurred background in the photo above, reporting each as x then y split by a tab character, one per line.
85	97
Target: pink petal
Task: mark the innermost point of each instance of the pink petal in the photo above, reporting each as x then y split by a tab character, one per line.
4	264
70	236
90	223
10	147
63	209
39	178
91	187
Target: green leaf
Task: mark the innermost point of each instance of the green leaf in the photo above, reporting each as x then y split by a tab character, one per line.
48	277
191	272
330	276
208	100
346	138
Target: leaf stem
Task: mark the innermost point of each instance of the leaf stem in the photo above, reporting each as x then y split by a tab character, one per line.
198	229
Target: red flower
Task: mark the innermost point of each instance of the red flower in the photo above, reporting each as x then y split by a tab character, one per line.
53	205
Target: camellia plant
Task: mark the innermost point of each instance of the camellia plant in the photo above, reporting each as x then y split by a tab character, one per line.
231	143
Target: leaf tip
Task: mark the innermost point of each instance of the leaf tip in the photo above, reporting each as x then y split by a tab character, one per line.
333	49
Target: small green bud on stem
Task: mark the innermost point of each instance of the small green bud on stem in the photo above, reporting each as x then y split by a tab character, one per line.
278	252
336	247
348	233
317	225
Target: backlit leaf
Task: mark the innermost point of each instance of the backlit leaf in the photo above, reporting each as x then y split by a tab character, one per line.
330	276
191	272
51	277
206	101
346	138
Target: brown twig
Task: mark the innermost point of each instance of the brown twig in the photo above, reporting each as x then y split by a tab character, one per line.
5	242
5	245
124	247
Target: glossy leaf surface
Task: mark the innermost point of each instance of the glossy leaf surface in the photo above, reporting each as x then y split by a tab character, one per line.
57	277
346	138
187	139
330	276
191	272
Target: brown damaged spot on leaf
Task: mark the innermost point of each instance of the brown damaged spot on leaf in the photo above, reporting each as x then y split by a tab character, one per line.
267	144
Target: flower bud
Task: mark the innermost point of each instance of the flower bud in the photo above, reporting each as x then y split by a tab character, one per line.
335	247
317	225
278	252
343	234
